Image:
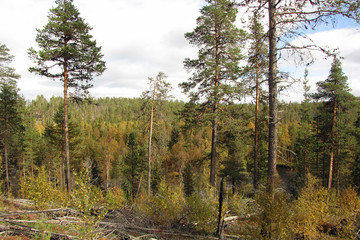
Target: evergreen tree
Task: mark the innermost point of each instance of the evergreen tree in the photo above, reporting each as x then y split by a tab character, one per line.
188	180
134	165
9	107
55	137
305	144
67	53
217	67
7	73
256	70
10	124
338	100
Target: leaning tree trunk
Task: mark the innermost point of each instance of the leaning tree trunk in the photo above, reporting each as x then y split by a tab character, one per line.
273	108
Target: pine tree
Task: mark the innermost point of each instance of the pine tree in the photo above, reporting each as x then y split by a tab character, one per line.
335	93
134	165
7	73
217	67
9	112
256	70
10	123
67	53
305	146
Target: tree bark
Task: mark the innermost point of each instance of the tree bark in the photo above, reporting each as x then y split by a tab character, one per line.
107	170
256	137
221	200
150	137
215	109
332	147
6	158
66	126
273	108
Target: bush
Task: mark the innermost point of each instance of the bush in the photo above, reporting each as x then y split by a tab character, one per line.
347	207
274	217
310	212
202	212
89	202
165	208
114	198
43	192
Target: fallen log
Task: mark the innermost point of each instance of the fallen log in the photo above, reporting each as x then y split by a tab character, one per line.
29	231
18	213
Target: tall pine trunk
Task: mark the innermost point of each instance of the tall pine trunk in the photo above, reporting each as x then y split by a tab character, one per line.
256	137
215	109
332	147
213	149
66	127
273	107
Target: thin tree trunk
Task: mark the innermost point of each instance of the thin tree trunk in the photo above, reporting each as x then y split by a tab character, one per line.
215	110
338	154
150	137
273	108
23	158
221	200
66	127
332	147
107	170
256	137
213	151
6	159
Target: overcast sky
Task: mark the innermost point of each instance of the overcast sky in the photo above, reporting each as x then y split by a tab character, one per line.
139	38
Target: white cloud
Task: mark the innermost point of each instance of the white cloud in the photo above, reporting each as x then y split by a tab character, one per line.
346	40
139	38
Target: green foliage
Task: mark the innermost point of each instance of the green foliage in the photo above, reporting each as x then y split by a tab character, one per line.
165	208
66	45
310	210
114	198
336	123
134	161
88	201
188	180
42	191
7	74
275	214
347	205
239	205
43	228
202	211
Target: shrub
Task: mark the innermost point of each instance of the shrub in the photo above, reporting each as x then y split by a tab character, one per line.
273	221
202	211
89	202
43	192
310	211
114	198
347	207
165	208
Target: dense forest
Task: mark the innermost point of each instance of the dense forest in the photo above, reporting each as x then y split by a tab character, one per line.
233	155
